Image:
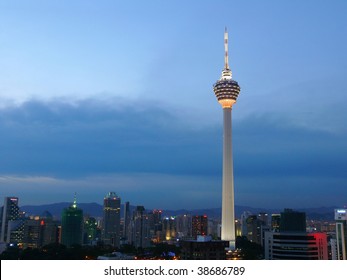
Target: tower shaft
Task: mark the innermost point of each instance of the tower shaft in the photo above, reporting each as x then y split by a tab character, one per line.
228	215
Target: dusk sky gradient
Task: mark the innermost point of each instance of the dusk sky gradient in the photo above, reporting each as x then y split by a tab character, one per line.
99	96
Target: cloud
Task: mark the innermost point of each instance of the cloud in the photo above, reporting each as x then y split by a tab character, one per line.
150	152
92	136
149	189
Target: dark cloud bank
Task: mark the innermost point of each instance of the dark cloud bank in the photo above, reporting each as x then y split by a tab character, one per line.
92	137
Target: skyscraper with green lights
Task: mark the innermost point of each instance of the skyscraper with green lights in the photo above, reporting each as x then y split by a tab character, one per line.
72	225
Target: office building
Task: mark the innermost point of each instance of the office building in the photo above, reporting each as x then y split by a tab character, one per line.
72	225
33	231
126	220
155	225
199	225
254	227
341	234
169	228
275	222
184	226
111	223
244	226
10	212
90	231
140	235
292	221
295	246
50	229
203	249
15	232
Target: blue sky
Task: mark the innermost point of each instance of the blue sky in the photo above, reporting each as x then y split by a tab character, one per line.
100	96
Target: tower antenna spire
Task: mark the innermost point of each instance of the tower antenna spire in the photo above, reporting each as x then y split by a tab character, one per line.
226	73
74	205
226	57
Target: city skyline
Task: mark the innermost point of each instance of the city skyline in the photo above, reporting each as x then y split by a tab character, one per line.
124	102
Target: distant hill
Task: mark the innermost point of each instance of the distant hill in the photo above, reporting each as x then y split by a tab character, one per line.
95	210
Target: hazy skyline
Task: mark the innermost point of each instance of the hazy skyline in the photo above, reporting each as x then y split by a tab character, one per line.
112	96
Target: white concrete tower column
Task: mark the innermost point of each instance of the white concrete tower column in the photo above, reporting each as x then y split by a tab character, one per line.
228	204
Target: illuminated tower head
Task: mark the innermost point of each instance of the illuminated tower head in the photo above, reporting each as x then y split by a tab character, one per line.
226	89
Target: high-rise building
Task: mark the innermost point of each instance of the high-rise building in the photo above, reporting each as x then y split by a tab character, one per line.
10	212
72	225
169	228
341	234
127	218
50	229
111	225
295	246
227	91
184	226
254	229
33	230
264	217
15	232
199	225
275	222
140	236
90	231
292	221
155	226
244	225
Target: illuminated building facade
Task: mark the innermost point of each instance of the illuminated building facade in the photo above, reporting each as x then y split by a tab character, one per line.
10	212
295	246
275	222
199	225
254	226
90	230
50	230
169	228
184	225
140	235
111	227
155	225
203	249
227	91
33	229
15	232
341	234
72	225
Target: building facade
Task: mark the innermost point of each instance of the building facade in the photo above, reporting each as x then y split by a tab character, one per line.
341	234
139	228
295	246
292	221
72	225
10	212
111	223
199	225
203	249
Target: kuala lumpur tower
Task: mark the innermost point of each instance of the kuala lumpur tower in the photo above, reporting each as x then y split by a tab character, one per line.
227	91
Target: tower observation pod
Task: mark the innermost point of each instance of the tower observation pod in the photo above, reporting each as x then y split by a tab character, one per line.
227	91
